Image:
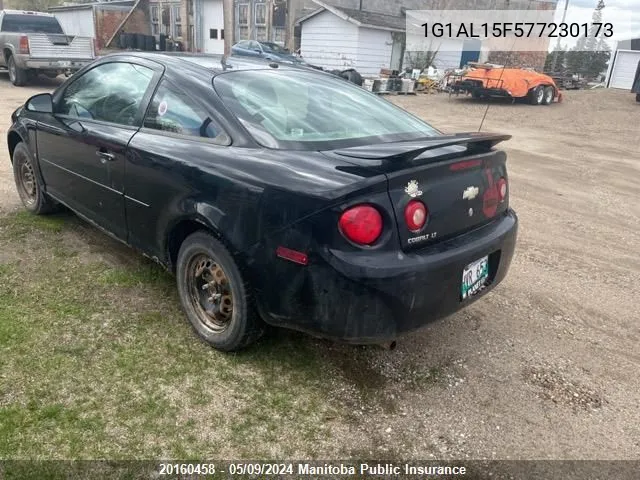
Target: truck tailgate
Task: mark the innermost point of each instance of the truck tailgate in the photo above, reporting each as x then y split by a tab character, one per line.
65	47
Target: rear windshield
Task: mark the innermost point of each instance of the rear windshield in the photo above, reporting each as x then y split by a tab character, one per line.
293	109
30	24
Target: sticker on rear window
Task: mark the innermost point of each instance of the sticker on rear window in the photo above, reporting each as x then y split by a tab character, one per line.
297	132
162	108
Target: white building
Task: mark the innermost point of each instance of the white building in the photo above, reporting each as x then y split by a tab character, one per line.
623	64
341	38
208	19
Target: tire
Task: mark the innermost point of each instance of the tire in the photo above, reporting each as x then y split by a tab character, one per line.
638	97
548	95
476	94
18	76
536	95
29	188
232	322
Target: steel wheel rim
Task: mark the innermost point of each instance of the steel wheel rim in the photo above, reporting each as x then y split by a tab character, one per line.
27	182
210	293
540	95
549	96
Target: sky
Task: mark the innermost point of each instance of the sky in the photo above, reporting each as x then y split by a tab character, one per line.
623	14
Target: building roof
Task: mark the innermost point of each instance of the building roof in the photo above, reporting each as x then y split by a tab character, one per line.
83	6
361	18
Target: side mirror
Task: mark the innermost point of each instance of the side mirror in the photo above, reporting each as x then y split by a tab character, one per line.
41	103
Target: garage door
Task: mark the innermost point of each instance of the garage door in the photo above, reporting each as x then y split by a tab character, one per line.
624	69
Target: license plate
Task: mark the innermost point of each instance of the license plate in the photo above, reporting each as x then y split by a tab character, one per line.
474	277
64	64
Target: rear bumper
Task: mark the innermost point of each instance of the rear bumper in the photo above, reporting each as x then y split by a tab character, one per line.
50	64
374	298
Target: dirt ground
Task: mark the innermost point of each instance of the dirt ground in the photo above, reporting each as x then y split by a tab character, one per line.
545	367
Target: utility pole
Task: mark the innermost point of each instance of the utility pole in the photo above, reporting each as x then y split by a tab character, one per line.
555	54
229	25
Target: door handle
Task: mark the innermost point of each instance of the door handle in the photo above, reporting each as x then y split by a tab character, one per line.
105	156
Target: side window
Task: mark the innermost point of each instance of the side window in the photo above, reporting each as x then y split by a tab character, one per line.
111	92
173	111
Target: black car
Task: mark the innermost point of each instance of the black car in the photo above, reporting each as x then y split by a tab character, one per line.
278	195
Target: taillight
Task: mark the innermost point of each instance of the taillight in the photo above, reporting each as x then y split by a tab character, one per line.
361	224
23	46
415	215
502	189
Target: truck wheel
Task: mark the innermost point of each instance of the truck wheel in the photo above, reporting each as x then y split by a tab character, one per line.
17	75
536	95
548	95
476	94
214	294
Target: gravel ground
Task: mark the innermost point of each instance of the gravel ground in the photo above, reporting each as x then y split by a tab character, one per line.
546	366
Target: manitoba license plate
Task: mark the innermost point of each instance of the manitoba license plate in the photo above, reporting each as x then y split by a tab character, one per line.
474	277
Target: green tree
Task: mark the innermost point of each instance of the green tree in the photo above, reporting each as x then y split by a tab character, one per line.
561	53
591	54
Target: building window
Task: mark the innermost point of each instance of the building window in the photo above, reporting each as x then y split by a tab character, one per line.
261	34
213	33
243	14
155	21
177	25
261	14
278	34
222	34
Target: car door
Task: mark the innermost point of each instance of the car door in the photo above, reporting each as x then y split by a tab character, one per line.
178	134
82	149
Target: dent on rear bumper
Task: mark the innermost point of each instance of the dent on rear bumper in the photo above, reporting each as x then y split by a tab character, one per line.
375	297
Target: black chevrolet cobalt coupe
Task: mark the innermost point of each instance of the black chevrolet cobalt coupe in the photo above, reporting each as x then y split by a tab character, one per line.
275	194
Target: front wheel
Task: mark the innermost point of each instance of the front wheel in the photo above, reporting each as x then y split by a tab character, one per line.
214	294
31	193
17	75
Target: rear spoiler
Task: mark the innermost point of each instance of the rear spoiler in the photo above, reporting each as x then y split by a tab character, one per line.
407	151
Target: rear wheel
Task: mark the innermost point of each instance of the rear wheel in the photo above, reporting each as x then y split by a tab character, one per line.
536	95
18	76
31	193
548	95
476	94
214	295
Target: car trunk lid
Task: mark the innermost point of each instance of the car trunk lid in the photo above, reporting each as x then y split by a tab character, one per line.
455	176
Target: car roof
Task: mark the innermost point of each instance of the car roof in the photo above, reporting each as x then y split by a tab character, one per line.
206	64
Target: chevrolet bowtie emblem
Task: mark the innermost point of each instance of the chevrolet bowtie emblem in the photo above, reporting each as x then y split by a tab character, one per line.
470	193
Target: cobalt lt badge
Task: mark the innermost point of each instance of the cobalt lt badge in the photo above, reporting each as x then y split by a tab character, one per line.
413	189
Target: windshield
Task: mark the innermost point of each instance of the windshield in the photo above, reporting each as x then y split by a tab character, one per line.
30	24
292	109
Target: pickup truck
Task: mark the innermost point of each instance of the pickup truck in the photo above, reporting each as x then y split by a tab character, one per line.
34	42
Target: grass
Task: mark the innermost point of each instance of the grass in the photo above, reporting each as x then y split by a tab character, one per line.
97	361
